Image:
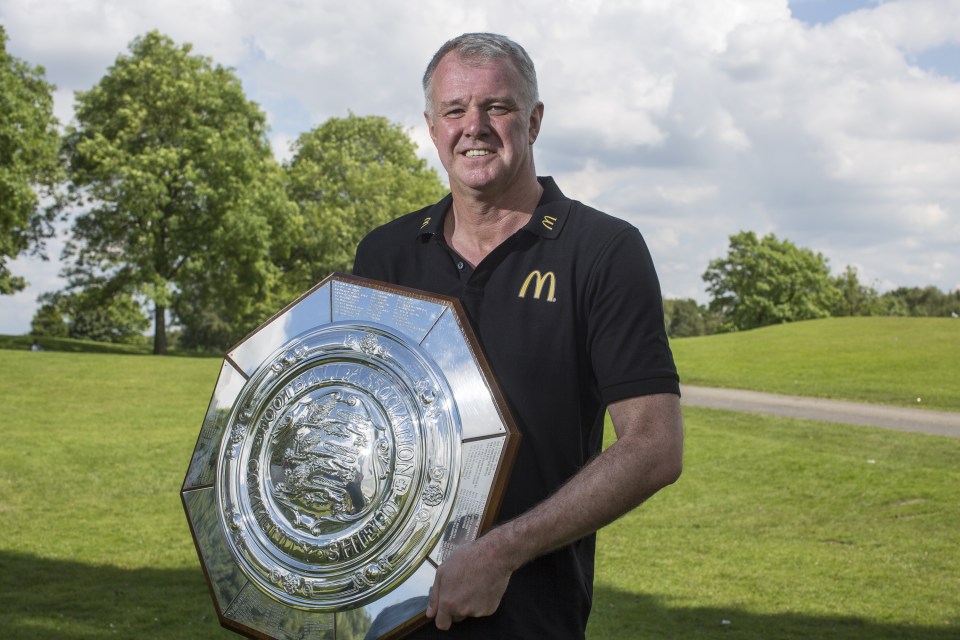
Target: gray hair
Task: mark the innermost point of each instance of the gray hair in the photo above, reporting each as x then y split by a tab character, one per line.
482	48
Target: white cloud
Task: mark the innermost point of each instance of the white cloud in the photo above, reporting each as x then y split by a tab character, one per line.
687	194
693	119
927	217
913	25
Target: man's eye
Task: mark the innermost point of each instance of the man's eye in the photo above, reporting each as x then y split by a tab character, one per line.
454	113
498	109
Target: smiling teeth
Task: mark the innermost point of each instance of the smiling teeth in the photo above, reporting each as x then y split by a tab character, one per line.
476	152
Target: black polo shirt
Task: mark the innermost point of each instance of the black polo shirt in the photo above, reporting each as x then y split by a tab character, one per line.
569	314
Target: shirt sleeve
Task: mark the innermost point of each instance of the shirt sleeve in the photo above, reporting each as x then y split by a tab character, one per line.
363	263
626	337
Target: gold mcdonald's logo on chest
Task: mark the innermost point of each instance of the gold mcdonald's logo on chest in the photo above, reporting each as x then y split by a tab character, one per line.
540	280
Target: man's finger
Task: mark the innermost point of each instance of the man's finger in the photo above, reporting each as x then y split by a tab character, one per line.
435	610
432	601
443	620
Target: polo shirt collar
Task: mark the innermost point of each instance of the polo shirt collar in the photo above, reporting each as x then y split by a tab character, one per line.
547	220
551	212
432	223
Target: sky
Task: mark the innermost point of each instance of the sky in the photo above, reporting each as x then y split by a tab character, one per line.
830	123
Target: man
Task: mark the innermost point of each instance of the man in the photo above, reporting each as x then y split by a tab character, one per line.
567	307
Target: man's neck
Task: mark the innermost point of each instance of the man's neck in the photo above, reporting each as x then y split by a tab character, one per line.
475	226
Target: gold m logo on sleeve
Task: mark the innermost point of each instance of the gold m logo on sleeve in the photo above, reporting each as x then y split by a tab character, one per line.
541	280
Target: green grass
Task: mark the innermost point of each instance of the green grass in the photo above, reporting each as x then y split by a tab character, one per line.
882	360
789	529
784	528
93	541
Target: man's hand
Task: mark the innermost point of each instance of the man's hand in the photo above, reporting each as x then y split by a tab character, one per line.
470	583
647	456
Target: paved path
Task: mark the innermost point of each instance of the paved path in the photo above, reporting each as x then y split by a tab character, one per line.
942	423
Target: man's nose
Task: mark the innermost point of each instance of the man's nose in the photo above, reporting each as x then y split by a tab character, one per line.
478	123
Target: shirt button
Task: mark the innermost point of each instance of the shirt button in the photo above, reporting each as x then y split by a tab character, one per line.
460	266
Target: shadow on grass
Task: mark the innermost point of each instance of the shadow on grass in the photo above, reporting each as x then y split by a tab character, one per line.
47	599
619	615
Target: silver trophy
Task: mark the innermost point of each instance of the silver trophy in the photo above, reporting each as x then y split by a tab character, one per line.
352	442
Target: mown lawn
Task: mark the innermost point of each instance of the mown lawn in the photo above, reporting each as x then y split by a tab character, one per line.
783	528
777	529
93	543
893	361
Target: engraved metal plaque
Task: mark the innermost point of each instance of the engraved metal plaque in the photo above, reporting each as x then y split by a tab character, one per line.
352	442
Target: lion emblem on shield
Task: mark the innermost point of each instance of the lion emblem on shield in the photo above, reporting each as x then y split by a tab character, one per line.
333	457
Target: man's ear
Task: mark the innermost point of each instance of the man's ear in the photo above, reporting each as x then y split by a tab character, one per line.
430	127
536	117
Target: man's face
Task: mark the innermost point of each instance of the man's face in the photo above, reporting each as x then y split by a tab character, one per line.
482	131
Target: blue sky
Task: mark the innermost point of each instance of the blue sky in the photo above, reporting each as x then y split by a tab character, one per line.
944	60
815	12
830	123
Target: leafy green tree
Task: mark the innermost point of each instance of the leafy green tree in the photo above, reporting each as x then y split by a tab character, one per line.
119	321
855	299
921	302
685	318
95	313
184	196
30	165
768	281
48	322
348	176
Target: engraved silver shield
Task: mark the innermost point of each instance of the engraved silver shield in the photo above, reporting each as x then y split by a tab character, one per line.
352	442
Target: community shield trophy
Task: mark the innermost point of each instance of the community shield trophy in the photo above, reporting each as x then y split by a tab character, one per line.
352	442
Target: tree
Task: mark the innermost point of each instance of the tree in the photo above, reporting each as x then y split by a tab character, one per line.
48	321
685	318
185	197
94	313
348	176
29	161
921	302
768	281
855	299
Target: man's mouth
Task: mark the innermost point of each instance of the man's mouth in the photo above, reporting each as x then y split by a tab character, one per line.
475	153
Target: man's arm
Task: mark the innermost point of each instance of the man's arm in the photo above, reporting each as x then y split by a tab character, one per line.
647	456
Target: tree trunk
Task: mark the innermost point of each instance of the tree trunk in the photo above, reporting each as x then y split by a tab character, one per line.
160	330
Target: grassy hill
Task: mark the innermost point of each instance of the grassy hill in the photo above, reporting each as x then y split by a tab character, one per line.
891	361
778	528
